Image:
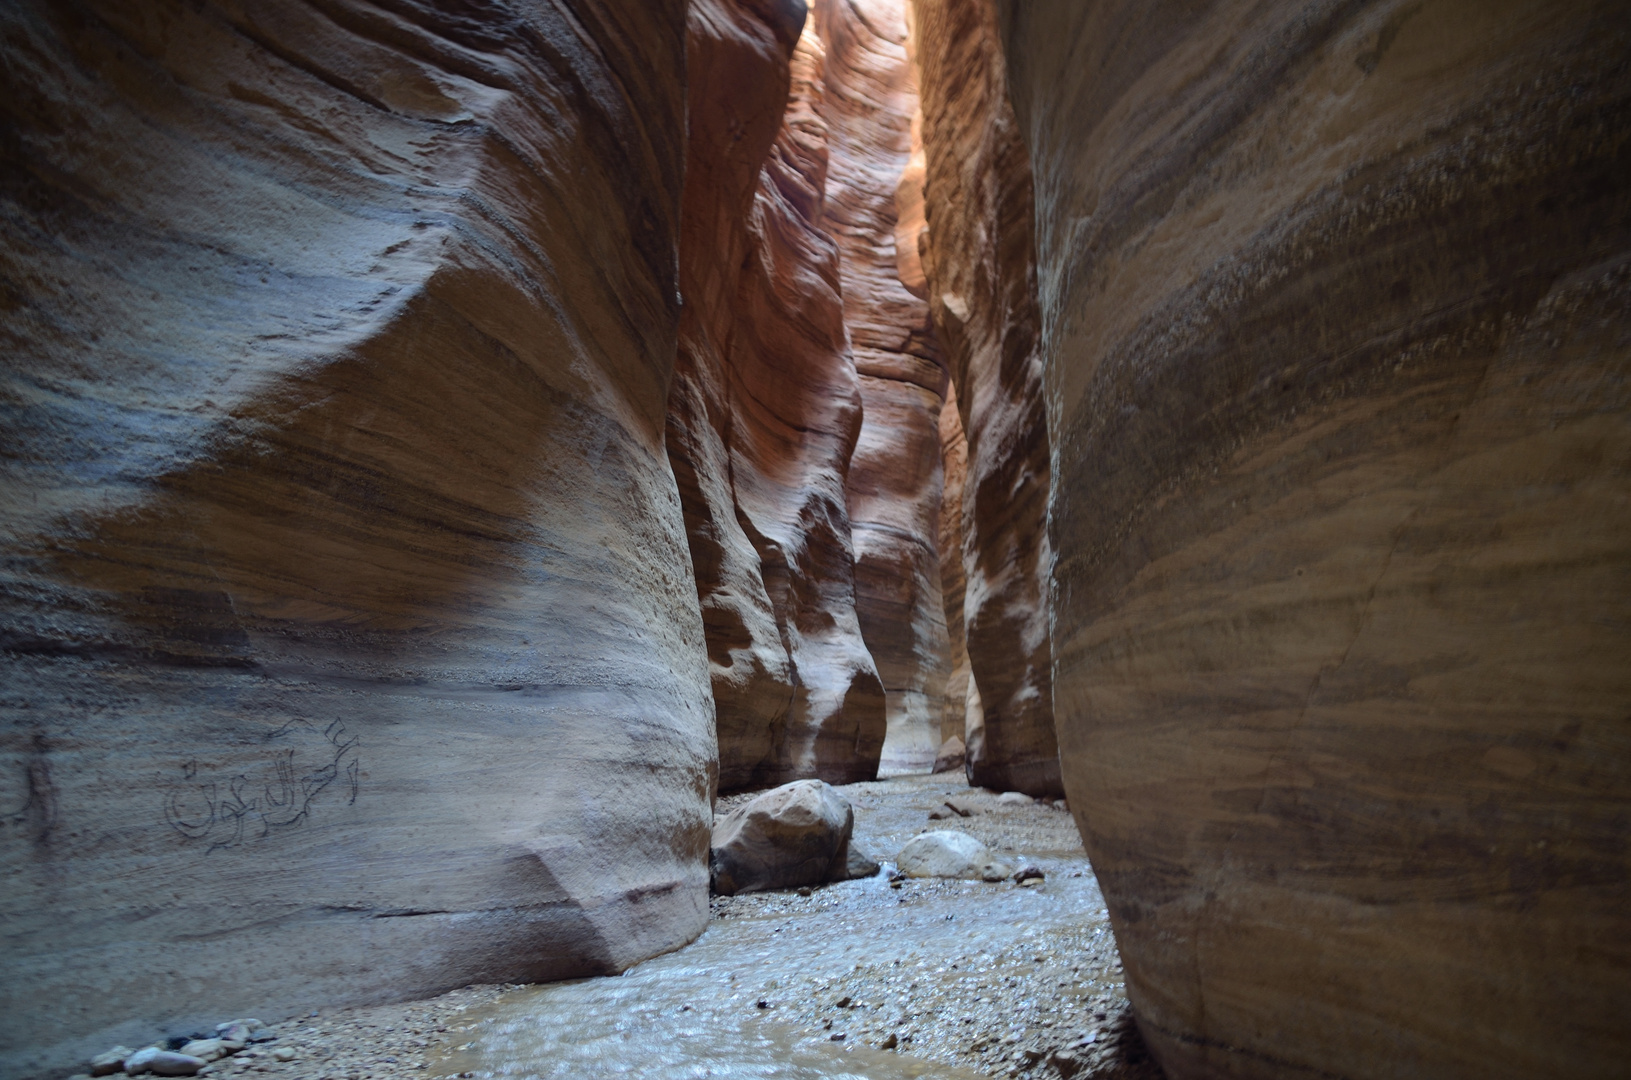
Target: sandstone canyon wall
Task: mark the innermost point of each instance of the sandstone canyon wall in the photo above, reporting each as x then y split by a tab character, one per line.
961	690
1338	356
765	409
977	258
894	483
351	645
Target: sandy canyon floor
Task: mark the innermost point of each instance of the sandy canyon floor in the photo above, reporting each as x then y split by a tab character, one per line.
947	979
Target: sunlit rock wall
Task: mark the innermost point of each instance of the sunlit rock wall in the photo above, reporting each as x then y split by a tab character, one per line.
978	259
1339	374
351	645
765	410
894	482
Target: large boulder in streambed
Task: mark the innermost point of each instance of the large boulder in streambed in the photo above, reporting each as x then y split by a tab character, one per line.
950	854
797	834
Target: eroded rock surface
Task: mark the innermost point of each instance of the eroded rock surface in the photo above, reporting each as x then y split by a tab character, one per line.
1334	300
977	259
765	409
894	482
352	649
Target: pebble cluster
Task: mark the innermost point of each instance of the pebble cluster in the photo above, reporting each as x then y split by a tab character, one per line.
382	1042
1050	1004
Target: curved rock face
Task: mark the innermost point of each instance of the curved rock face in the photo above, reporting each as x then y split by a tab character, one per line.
1338	350
765	410
978	259
894	482
341	545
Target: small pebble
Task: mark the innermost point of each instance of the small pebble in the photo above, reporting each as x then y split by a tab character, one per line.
111	1062
172	1063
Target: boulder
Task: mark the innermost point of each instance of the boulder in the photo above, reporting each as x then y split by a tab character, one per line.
950	854
950	756
797	834
1338	345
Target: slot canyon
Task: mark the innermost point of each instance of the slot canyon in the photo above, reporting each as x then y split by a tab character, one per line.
859	538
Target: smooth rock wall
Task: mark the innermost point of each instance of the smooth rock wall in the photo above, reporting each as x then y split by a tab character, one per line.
978	259
765	410
351	645
1335	316
893	488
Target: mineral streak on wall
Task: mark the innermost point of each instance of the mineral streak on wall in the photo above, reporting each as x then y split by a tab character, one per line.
894	481
977	258
765	410
1338	350
960	686
351	645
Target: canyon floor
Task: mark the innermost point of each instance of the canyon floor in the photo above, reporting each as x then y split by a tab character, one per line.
929	979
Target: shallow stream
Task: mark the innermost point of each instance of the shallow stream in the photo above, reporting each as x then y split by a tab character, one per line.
932	979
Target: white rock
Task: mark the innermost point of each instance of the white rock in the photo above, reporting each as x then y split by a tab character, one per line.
138	1063
1015	798
110	1062
283	1053
207	1049
950	855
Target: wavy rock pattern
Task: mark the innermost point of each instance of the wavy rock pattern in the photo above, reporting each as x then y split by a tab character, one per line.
765	410
341	545
895	479
978	260
1334	300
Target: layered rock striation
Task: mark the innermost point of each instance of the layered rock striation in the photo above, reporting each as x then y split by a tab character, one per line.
1334	313
978	263
765	410
894	483
351	648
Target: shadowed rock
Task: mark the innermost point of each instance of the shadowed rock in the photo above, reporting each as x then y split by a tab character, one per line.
797	834
1334	309
345	594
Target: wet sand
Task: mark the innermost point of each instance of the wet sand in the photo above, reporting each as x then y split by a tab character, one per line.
929	979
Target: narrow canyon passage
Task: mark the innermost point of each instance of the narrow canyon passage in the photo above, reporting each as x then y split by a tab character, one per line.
579	537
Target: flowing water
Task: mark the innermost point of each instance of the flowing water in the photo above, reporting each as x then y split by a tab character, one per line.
932	979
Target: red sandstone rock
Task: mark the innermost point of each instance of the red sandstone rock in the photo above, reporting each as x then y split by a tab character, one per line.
978	261
960	690
1338	345
352	646
765	412
894	482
